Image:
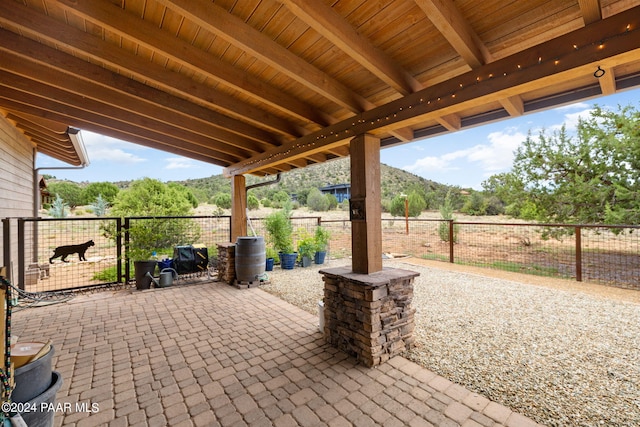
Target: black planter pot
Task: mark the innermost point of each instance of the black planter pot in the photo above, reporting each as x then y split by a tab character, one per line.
141	268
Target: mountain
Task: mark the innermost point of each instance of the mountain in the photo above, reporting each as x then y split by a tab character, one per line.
394	181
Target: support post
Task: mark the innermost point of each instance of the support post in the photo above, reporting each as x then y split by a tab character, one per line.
366	212
578	254
238	207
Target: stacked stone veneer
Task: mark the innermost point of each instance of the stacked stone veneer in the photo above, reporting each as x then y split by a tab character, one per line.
369	316
226	262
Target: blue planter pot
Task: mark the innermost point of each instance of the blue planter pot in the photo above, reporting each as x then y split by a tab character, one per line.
319	257
288	261
269	265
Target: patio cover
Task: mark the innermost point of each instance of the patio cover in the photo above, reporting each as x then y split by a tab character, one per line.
264	86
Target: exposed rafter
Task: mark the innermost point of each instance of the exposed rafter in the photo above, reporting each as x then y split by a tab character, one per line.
272	85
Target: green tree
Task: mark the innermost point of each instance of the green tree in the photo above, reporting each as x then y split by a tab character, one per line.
590	177
100	206
59	209
317	201
222	200
187	193
333	201
475	204
106	190
150	197
416	205
70	192
446	212
280	199
252	202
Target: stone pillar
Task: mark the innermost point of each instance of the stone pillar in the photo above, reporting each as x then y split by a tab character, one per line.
369	316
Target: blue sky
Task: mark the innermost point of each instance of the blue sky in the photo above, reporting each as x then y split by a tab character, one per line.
464	158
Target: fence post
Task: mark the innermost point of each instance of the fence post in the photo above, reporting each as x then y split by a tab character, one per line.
578	253
119	249
451	260
6	245
127	266
21	250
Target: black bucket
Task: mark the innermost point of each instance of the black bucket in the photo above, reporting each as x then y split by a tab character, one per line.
32	379
141	269
250	258
41	407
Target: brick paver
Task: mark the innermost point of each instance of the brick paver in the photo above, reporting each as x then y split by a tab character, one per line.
213	355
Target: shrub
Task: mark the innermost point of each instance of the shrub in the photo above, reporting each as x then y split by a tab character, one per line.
446	212
59	209
416	205
222	200
100	206
280	229
252	202
333	202
316	201
150	197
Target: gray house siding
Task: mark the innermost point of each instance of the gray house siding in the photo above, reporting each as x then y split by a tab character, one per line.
16	186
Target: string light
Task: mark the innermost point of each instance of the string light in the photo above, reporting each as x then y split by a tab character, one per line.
336	135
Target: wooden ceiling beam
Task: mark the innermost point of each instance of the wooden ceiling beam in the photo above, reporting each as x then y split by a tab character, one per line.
71	105
330	25
130	27
446	17
46	109
511	76
591	11
219	21
101	51
103	101
56	69
451	122
450	22
608	81
514	105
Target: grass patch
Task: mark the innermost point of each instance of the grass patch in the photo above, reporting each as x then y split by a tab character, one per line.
537	270
436	257
108	275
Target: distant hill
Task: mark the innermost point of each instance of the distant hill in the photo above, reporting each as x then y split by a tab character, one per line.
394	181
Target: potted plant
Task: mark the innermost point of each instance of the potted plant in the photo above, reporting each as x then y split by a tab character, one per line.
143	263
321	238
306	248
280	231
271	258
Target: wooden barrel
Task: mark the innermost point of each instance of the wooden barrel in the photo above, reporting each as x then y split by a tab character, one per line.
250	258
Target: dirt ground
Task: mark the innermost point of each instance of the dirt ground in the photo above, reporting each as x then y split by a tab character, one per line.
608	292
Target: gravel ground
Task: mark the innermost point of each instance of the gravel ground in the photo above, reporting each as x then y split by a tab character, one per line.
557	354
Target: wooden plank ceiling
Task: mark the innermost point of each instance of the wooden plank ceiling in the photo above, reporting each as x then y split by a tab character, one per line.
263	86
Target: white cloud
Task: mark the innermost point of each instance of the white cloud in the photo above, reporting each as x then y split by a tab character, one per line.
576	106
495	156
570	121
431	164
179	163
100	147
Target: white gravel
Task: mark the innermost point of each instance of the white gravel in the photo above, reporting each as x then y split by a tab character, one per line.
561	357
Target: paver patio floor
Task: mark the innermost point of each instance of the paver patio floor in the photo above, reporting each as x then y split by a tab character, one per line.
210	354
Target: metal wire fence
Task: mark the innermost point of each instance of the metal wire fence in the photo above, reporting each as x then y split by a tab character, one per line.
603	254
69	253
596	253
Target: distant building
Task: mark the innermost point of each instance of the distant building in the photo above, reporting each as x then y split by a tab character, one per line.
342	192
